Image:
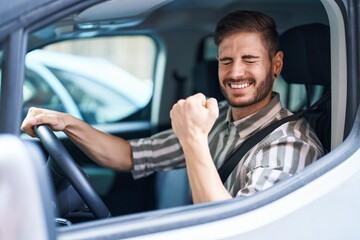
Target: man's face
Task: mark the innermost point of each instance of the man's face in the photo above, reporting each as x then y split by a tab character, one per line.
245	71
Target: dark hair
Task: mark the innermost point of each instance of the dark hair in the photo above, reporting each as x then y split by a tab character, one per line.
249	21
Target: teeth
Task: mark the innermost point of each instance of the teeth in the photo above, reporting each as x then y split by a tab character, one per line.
239	85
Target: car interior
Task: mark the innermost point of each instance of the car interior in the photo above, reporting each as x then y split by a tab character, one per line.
185	63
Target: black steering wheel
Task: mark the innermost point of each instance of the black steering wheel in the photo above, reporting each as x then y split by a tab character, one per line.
71	171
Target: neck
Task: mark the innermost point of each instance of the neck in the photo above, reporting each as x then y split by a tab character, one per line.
238	113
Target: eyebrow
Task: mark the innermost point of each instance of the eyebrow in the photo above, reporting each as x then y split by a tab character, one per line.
249	57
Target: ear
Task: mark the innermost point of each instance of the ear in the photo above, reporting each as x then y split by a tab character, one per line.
278	63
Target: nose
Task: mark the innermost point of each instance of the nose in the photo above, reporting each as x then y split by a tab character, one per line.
237	70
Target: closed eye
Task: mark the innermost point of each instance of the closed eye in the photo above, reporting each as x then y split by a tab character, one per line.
249	61
225	60
250	58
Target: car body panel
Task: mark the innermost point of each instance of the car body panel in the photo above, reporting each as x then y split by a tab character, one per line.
27	199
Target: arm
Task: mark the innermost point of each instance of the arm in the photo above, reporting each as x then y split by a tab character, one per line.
192	120
103	148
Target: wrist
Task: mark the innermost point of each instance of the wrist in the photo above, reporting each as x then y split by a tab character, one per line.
70	122
194	142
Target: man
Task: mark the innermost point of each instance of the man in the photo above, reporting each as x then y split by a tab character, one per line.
204	132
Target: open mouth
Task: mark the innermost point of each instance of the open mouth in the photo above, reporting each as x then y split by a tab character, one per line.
240	85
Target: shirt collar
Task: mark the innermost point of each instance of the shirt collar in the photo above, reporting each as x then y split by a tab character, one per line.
263	117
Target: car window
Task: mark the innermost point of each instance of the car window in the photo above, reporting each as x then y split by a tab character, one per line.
100	80
37	92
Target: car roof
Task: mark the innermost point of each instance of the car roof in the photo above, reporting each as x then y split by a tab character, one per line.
156	15
16	8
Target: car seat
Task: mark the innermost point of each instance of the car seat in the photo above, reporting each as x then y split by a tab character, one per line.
306	75
206	80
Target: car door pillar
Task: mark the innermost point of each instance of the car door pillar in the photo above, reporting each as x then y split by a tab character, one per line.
12	82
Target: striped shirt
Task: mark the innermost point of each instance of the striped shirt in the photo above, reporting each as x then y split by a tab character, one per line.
287	150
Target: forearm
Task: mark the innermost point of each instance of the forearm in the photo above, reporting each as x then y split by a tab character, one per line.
205	182
192	120
103	148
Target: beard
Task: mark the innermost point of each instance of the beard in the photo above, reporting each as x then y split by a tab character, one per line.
261	91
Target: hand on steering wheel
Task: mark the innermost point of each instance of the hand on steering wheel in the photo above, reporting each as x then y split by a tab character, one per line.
71	171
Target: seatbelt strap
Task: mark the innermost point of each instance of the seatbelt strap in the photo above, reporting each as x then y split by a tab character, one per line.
231	162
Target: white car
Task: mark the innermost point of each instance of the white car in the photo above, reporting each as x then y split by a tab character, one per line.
320	202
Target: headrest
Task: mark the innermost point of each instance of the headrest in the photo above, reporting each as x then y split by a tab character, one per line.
306	54
206	79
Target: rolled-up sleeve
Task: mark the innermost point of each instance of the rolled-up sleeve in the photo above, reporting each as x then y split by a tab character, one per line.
160	152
